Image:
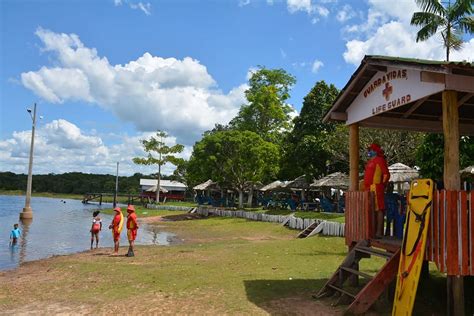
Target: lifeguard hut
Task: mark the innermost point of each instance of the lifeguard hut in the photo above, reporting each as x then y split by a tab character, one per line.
415	95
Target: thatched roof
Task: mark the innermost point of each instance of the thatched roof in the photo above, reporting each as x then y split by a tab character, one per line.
153	189
402	173
208	185
273	186
336	180
298	183
468	171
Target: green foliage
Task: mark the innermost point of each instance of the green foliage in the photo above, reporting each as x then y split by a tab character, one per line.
71	183
266	114
233	159
451	21
399	146
305	147
430	155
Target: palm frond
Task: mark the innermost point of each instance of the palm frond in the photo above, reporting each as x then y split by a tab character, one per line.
427	31
466	24
424	18
432	6
459	9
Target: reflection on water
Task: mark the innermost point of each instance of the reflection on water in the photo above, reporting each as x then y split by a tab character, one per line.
59	227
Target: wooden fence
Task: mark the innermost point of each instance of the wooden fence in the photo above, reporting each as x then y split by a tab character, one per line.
450	243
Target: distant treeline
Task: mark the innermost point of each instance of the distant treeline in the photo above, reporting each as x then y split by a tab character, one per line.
73	182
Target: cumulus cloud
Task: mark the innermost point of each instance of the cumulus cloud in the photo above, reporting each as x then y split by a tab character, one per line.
243	3
144	7
345	13
72	149
299	5
317	64
387	31
151	92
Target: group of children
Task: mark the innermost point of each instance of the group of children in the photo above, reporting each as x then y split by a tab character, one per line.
116	227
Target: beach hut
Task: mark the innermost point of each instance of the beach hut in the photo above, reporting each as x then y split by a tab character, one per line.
401	175
336	180
275	185
172	190
413	95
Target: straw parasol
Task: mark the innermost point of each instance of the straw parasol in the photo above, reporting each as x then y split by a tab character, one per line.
468	171
298	183
209	184
336	180
153	189
402	173
273	186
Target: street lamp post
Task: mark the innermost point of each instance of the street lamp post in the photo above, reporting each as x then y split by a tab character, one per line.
27	212
116	186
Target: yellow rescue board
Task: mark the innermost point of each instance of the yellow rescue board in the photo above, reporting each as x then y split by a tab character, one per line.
120	226
413	246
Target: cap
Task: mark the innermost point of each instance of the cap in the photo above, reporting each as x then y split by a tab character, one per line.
130	208
117	209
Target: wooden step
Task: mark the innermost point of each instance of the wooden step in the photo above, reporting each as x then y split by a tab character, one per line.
357	272
307	230
341	290
372	251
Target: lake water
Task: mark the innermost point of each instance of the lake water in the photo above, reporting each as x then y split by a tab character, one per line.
60	227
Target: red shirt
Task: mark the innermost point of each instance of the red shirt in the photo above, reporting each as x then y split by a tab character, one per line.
132	221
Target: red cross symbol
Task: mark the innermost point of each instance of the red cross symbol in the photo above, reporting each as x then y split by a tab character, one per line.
387	91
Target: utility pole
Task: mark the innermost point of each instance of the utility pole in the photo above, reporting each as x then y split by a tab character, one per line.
116	186
27	212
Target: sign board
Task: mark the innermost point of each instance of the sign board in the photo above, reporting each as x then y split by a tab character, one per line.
389	90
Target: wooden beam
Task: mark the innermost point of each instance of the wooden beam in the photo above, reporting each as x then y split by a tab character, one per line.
464	99
452	181
434	77
354	157
339	116
466	129
415	106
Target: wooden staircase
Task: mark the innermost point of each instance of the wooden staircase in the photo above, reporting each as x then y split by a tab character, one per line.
361	299
308	231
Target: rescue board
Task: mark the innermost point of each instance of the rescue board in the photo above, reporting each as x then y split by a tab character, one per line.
120	226
413	247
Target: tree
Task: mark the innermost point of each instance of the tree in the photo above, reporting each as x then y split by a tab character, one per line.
430	155
305	147
266	114
165	155
234	159
453	20
398	146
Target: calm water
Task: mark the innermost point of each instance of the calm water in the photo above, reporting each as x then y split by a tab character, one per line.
60	227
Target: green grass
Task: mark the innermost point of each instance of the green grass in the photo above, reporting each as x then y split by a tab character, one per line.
224	266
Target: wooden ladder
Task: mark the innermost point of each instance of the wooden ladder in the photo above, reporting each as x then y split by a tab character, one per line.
307	231
361	301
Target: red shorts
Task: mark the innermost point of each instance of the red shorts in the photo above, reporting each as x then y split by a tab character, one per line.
116	236
132	234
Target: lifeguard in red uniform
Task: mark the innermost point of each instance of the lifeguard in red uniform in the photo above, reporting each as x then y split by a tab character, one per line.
116	227
132	228
376	176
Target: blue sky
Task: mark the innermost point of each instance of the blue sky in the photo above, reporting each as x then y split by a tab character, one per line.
107	73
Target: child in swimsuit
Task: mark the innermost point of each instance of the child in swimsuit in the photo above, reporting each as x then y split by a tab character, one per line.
15	235
95	229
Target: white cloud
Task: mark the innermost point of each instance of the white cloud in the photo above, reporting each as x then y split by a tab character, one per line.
299	5
243	3
145	7
387	31
282	53
270	2
317	64
151	92
345	13
117	2
60	146
322	11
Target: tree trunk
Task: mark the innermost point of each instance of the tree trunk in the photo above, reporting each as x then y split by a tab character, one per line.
158	185
250	197
241	198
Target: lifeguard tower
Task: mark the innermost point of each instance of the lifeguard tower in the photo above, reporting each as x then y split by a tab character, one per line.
415	95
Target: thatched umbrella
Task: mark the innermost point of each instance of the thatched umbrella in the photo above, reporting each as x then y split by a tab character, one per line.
402	173
208	185
299	183
467	172
153	189
336	180
273	186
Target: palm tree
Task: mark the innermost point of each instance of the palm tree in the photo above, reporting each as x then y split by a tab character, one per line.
452	21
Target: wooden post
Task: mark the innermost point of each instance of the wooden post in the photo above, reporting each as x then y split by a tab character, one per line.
354	180
354	157
452	181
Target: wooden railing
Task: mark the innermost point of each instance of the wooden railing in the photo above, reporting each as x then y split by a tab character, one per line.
359	216
450	243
